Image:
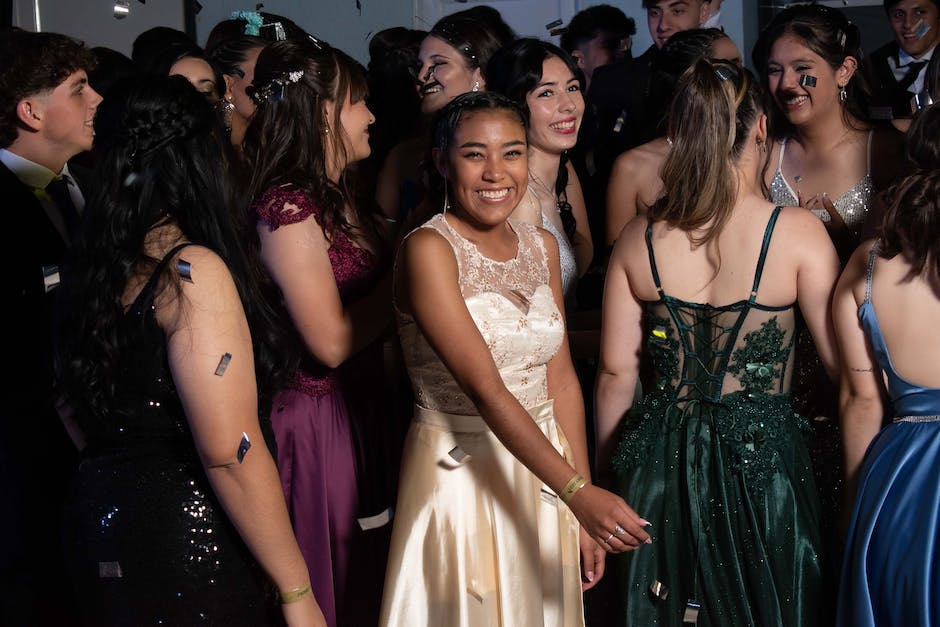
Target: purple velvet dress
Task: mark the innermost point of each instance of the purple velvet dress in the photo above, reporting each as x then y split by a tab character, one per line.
330	456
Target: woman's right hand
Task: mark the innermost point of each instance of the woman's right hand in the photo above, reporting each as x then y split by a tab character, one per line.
303	613
609	520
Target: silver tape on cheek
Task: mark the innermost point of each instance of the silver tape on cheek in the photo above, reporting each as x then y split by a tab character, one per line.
243	447
807	81
922	30
223	364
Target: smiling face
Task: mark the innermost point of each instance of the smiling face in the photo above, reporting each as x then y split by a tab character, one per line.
916	25
556	106
789	58
486	167
68	114
665	18
443	74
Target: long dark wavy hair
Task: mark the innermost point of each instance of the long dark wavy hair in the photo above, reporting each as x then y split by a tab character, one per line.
162	161
514	71
285	143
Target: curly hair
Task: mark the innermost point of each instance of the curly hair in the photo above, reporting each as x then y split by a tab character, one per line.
162	159
31	63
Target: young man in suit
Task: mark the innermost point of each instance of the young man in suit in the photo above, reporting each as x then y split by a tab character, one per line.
47	112
896	70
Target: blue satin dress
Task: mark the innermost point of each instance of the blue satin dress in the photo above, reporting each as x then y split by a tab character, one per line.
891	572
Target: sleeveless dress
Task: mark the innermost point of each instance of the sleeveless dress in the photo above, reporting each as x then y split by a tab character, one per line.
852	205
714	457
892	559
148	541
569	266
478	539
814	395
333	462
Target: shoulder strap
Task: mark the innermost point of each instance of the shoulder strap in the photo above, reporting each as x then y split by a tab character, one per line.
871	267
649	250
783	148
768	231
162	265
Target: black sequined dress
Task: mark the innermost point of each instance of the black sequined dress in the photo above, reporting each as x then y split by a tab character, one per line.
148	542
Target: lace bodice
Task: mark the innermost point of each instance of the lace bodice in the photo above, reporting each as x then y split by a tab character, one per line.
730	365
354	268
514	309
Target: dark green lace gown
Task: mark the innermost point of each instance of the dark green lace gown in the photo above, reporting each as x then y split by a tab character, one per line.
715	458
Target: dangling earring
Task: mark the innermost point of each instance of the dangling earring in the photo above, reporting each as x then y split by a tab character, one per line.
446	202
761	146
476	86
227	106
842	94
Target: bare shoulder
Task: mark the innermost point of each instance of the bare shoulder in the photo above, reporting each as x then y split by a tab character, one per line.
632	240
427	247
551	244
801	222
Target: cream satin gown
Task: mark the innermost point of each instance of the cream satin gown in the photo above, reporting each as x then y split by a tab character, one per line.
478	540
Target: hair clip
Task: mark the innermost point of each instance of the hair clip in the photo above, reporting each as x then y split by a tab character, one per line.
279	33
319	43
274	90
807	81
840	35
253	21
724	73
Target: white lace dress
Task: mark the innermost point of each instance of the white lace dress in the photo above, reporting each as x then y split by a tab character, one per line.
478	539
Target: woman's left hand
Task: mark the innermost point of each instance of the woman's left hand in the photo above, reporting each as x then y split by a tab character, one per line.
592	560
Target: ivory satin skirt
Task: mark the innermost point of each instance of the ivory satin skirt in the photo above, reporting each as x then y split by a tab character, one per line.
479	540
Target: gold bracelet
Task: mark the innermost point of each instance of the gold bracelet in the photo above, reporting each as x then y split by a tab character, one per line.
574	484
292	596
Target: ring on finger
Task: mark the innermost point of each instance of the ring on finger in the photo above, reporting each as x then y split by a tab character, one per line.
609	538
619	531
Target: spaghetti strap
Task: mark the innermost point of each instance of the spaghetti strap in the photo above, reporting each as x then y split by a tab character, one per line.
649	250
768	232
166	259
871	268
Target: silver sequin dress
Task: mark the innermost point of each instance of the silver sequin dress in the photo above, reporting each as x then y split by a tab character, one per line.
852	205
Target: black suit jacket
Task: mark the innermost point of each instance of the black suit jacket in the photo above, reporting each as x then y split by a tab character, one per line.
886	92
37	458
